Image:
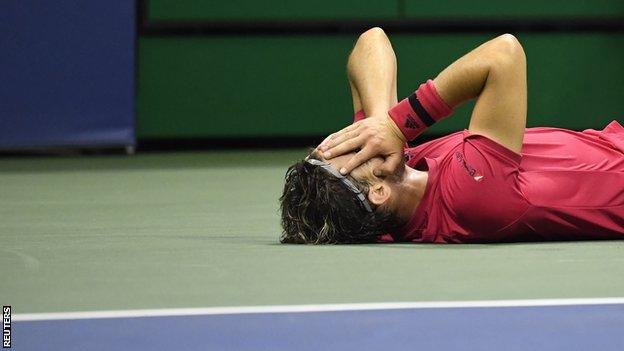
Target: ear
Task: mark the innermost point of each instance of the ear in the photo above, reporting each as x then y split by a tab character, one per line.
379	193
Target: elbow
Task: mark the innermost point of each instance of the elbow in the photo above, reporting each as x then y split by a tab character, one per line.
371	39
507	51
510	45
373	34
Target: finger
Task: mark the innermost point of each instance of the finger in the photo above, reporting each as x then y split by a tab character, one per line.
345	147
325	140
323	146
390	165
358	159
345	137
349	128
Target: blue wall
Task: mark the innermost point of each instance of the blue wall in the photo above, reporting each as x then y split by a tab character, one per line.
67	73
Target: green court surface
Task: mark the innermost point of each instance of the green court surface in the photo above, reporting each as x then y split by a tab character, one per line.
201	229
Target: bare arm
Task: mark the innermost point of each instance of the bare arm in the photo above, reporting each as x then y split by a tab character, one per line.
372	73
494	73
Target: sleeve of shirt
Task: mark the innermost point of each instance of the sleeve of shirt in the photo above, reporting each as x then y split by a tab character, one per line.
358	116
613	133
479	187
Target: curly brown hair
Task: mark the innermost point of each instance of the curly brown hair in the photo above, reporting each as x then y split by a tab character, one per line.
317	208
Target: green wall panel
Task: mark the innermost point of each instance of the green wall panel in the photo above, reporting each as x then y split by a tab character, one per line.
242	86
270	9
576	81
289	86
513	8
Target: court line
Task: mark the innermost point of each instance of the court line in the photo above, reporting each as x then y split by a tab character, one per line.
165	312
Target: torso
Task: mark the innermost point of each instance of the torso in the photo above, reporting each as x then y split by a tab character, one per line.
565	185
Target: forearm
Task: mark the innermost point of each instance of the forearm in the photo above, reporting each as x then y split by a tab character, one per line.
465	78
372	72
495	74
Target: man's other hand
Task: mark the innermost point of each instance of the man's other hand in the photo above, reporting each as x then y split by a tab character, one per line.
373	136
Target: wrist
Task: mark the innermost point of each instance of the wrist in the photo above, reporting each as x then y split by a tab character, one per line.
414	114
379	113
395	129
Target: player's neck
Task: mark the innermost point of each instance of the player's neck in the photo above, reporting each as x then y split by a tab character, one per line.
411	190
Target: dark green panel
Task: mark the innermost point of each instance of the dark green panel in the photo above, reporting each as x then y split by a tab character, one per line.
513	8
272	9
242	86
277	86
576	81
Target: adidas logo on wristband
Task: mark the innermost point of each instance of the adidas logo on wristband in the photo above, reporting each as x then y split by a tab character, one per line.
411	123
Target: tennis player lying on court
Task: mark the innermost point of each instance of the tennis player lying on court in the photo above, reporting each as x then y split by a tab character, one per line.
496	181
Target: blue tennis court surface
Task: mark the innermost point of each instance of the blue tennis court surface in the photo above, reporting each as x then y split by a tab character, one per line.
569	327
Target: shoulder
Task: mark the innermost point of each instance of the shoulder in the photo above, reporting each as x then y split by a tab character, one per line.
478	186
436	148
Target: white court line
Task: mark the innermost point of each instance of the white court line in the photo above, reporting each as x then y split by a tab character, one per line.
313	308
